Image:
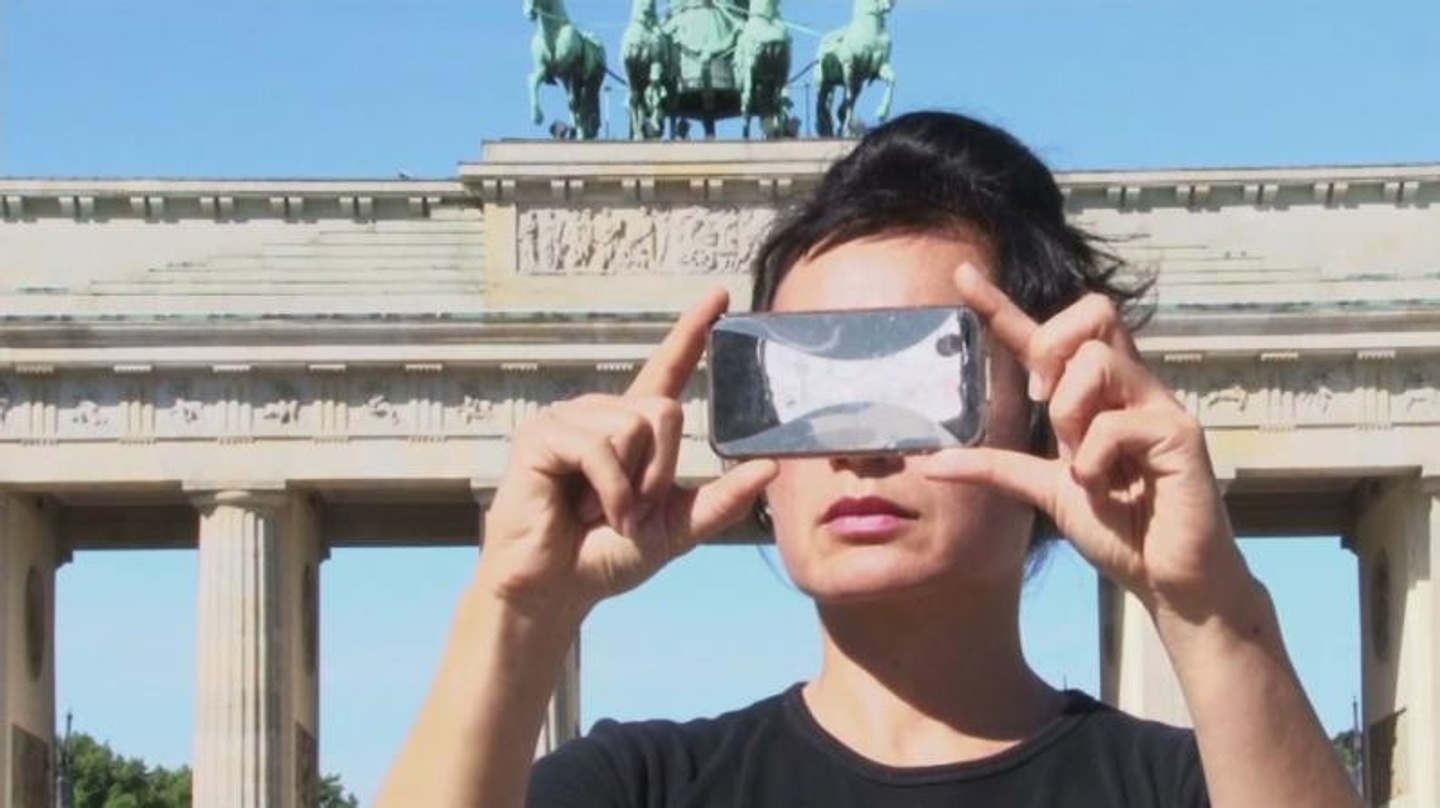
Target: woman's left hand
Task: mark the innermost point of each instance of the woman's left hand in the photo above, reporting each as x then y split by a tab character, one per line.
1132	488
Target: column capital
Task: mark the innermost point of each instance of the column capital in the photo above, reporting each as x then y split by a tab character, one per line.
1428	481
266	495
1224	478
483	491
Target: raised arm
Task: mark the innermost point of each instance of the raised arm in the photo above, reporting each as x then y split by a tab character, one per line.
1134	490
587	508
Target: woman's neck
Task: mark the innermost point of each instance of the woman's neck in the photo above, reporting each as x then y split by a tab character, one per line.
917	682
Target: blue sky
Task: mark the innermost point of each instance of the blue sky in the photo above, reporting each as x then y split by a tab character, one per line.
365	88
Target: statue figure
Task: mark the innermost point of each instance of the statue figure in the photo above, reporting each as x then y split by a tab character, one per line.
702	35
563	54
762	67
646	51
850	58
657	104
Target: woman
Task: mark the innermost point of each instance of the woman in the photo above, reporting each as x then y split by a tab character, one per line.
915	563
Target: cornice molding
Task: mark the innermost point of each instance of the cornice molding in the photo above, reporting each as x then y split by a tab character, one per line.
224	200
756	172
684	172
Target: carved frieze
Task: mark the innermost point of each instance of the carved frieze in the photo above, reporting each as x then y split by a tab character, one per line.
479	403
640	239
378	411
424	402
278	407
1418	396
1371	390
7	399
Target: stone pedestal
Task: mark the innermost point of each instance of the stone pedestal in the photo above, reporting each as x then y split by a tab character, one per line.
1135	673
28	558
1396	530
256	723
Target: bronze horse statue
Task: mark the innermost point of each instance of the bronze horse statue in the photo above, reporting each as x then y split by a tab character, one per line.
565	55
646	51
762	68
850	58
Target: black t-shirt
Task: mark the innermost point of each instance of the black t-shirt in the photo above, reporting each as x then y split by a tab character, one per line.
774	754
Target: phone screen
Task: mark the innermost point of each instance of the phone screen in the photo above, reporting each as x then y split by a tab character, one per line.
846	382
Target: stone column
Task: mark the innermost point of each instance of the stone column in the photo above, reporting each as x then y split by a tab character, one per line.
1397	526
239	719
562	719
302	551
28	558
1135	673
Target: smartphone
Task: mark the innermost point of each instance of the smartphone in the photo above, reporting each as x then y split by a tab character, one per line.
853	382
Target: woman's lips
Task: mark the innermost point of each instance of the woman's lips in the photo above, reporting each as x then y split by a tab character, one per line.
866	517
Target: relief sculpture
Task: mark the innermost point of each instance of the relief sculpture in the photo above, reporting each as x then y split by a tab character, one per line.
1419	394
671	239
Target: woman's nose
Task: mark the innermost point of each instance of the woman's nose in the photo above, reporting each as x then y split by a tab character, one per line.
873	465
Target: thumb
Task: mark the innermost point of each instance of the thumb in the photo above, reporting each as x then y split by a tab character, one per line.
724	501
1023	476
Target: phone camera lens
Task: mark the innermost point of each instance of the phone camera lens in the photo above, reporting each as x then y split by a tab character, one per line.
950	345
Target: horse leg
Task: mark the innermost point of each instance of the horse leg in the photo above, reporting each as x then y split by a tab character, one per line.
824	97
747	97
536	79
887	75
572	97
848	94
586	109
824	123
592	100
639	111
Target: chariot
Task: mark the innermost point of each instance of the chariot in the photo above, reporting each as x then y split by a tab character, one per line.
709	60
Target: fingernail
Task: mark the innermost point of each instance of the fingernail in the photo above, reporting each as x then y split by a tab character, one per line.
1037	387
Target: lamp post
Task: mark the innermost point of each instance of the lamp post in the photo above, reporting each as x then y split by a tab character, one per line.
606	110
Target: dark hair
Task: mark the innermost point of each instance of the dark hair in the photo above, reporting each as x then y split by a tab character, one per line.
939	173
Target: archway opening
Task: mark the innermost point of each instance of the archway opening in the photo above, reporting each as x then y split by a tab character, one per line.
1314	584
125	628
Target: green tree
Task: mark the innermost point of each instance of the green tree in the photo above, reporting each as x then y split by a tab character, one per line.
334	795
1348	748
101	778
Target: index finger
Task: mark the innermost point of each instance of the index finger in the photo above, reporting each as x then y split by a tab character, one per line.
668	369
1005	320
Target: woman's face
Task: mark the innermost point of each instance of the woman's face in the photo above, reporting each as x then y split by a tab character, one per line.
858	528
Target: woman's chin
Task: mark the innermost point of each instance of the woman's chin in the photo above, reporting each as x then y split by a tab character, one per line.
874	574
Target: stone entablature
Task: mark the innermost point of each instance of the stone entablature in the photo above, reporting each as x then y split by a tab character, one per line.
441	410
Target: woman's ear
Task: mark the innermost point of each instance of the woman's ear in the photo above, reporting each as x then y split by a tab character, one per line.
761	511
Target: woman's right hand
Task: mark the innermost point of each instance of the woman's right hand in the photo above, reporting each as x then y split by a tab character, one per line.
588	506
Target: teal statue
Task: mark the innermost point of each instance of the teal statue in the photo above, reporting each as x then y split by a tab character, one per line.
645	49
851	58
657	102
762	68
702	35
563	54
